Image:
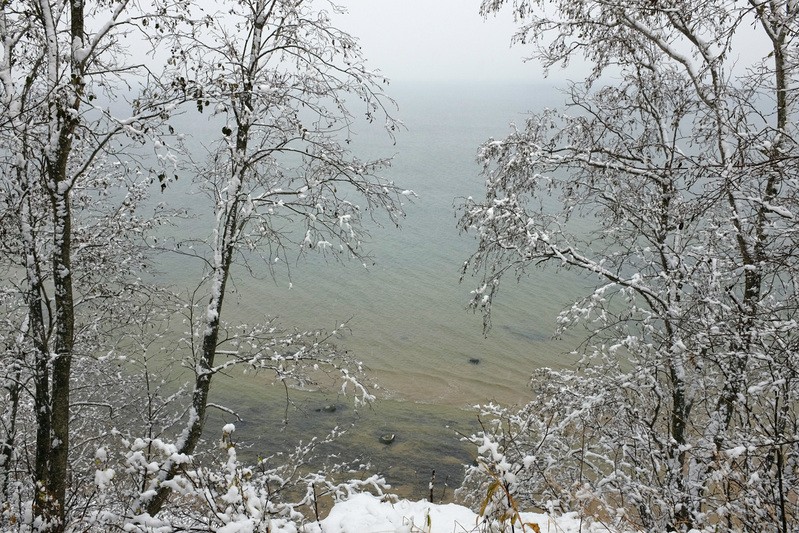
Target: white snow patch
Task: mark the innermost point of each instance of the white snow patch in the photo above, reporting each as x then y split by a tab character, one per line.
365	513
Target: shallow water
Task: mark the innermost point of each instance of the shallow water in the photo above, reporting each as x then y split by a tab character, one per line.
427	437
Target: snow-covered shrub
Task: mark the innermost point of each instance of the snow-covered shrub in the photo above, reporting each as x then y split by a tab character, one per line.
538	456
220	492
592	442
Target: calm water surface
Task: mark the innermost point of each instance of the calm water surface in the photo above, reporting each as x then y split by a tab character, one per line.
407	312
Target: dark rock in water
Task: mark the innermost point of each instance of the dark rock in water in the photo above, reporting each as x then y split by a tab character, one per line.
327	409
474	361
387	438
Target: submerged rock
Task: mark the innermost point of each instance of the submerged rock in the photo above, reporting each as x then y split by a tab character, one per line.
474	360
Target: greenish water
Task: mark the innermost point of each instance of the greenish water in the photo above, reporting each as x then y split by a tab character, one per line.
427	437
407	312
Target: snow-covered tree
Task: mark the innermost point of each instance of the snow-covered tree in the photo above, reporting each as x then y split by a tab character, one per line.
68	212
77	108
670	179
274	77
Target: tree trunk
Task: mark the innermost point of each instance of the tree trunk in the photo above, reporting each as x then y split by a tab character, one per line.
60	202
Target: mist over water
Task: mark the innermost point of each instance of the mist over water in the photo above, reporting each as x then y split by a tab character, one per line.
406	311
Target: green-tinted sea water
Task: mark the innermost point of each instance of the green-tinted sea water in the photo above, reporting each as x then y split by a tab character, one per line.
406	313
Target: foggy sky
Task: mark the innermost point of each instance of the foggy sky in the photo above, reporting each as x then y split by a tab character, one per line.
437	40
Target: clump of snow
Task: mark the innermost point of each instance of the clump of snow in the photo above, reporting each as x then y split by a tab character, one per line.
365	513
101	455
103	477
736	452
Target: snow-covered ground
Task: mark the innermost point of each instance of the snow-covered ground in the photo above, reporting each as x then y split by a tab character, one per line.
365	513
